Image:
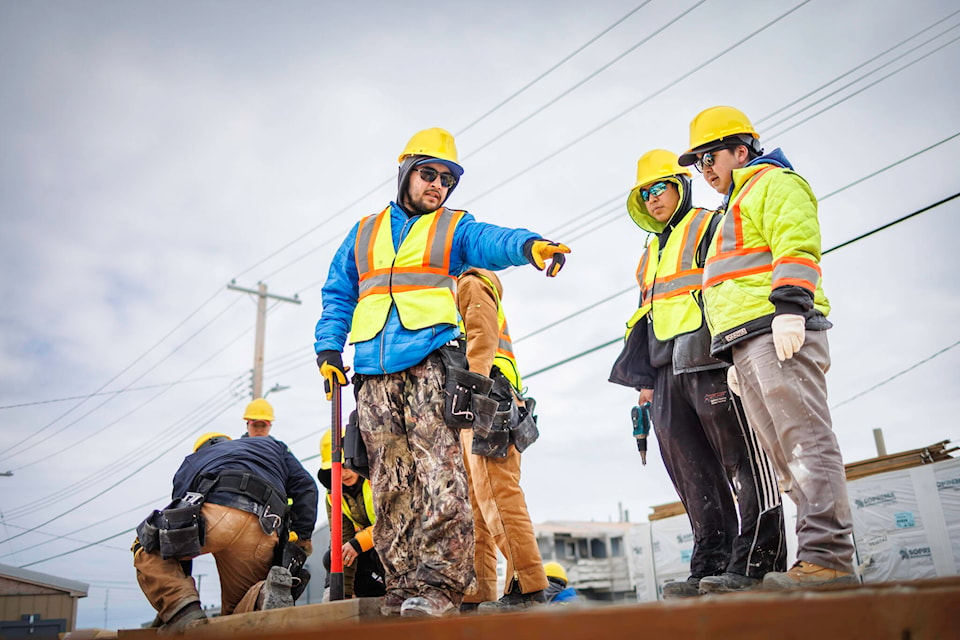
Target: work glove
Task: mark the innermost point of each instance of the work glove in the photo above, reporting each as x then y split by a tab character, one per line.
789	330
538	251
332	370
733	382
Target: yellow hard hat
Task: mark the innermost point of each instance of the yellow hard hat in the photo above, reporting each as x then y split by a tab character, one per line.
555	570
326	444
656	165
210	438
436	143
259	409
710	127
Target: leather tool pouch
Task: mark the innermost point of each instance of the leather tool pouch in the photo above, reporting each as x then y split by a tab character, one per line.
354	449
177	531
494	441
524	432
466	402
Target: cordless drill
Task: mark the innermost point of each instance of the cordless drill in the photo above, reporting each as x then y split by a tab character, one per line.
640	415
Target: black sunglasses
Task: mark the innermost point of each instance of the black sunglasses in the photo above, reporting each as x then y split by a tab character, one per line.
429	174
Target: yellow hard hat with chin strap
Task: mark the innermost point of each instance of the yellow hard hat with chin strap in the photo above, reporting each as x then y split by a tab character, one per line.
555	570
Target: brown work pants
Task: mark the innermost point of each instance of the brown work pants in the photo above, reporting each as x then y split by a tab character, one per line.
243	552
500	521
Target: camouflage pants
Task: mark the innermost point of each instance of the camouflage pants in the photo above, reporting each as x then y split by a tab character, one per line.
424	528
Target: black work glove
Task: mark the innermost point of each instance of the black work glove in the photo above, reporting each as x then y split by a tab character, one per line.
332	370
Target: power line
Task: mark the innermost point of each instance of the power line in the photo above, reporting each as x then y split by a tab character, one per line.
896	375
582	82
551	69
126	390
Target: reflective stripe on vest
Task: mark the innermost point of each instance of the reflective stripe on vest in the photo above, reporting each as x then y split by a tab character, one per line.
367	504
670	279
416	277
733	260
504	359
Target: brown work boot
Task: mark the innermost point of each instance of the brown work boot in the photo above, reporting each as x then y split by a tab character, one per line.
805	574
689	588
393	600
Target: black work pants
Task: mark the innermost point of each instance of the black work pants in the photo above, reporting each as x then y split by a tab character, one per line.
712	456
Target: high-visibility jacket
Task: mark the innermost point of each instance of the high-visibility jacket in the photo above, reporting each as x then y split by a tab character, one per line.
362	527
769	238
416	277
670	279
504	358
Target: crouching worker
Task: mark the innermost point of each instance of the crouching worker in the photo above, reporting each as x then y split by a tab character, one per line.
362	569
230	500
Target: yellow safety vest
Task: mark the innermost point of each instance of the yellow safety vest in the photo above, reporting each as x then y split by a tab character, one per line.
670	281
367	503
504	359
416	277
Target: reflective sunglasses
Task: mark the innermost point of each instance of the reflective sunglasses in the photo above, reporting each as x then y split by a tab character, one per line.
429	174
654	190
706	160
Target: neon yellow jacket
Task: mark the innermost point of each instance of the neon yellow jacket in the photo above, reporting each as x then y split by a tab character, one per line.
765	253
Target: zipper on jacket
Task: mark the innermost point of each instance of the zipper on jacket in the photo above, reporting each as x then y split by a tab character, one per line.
393	303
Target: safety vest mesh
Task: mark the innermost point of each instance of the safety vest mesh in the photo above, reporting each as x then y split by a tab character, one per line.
670	280
504	358
416	277
367	504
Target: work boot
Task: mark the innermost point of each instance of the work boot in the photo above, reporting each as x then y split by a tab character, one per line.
513	601
275	592
688	588
805	574
469	607
392	602
727	582
179	621
431	603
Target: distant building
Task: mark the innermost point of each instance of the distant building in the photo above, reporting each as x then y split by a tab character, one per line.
37	605
594	555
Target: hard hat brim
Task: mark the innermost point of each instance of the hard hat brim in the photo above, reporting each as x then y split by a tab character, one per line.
455	169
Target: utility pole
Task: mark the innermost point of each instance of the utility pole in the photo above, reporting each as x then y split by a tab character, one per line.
262	295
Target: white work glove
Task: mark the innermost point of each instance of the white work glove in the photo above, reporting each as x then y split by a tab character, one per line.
733	381
789	331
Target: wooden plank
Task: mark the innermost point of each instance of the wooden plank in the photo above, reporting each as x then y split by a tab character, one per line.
923	610
311	616
137	634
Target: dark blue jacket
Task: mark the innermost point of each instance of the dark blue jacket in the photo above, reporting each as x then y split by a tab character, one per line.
269	460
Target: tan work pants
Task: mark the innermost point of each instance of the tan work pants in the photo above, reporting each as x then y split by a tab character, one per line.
243	552
501	521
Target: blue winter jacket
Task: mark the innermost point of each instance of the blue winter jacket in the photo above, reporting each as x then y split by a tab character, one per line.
264	457
395	348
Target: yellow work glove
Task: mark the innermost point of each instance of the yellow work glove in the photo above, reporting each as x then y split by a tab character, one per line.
538	251
733	382
332	370
789	330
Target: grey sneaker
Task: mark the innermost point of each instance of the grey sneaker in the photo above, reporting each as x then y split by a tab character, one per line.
727	582
275	592
689	588
179	621
429	604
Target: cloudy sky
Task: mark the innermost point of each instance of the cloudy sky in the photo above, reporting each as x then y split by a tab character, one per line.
151	153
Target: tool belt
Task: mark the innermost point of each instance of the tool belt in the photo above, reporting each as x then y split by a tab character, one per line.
176	531
512	423
247	492
467	404
354	449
